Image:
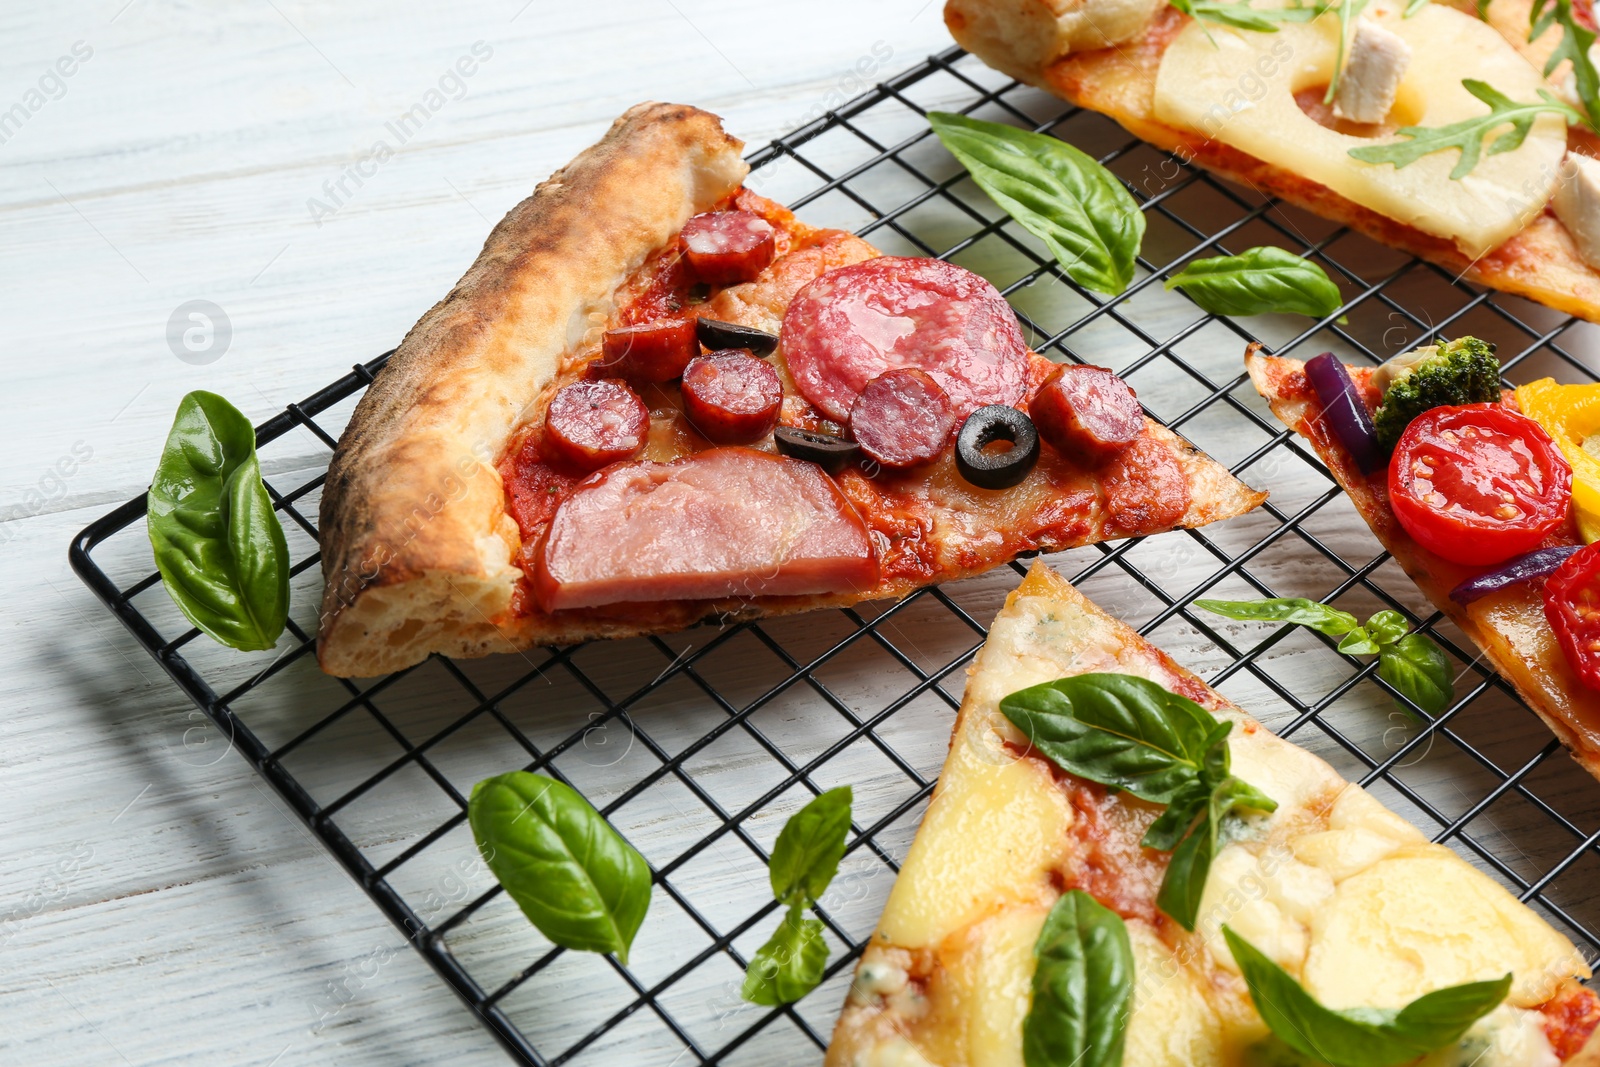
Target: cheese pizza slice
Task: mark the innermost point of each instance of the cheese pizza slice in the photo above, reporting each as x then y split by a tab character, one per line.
657	397
1405	148
1029	925
1499	593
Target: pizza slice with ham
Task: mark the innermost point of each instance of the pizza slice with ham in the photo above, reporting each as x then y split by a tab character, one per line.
657	397
972	963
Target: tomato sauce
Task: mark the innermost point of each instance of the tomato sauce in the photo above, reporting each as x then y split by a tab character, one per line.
1570	1019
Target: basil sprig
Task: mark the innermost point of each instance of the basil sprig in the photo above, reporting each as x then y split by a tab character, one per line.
218	544
1129	733
1360	1037
1413	663
1082	987
1079	209
1259	281
572	875
804	860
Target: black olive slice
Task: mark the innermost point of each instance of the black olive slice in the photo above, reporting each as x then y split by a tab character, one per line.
830	453
996	470
719	335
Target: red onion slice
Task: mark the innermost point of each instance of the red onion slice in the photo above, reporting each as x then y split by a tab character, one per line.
1535	564
1345	411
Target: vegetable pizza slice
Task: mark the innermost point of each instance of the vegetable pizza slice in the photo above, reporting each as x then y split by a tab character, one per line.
1484	497
1119	868
657	397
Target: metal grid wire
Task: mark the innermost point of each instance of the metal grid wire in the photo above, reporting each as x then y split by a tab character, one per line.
698	745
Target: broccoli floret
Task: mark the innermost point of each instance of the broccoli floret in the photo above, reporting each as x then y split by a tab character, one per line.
1463	371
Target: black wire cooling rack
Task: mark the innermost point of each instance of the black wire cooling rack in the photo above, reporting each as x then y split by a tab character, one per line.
698	745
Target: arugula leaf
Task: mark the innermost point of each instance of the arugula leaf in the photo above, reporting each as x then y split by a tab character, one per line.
789	965
1130	733
1467	136
572	875
1239	15
217	542
1258	281
809	847
1080	210
1366	1037
1418	668
1349	12
1116	729
1290	609
1082	987
1576	40
1413	6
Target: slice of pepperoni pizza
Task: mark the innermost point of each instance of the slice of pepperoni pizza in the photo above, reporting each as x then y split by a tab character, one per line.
972	963
657	397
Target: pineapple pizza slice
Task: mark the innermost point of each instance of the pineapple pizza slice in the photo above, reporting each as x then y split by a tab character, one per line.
1158	881
1421	125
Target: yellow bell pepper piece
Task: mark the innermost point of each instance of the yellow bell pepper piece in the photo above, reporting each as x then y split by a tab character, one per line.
1570	414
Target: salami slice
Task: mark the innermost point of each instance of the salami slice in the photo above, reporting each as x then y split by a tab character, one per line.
728	247
655	351
731	397
590	424
852	324
1087	413
903	418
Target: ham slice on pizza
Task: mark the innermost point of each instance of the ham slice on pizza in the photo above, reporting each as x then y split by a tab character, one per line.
1030	924
657	397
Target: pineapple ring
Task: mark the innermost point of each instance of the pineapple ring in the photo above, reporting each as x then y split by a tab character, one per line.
1240	91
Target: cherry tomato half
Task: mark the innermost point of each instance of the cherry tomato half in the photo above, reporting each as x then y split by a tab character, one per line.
1572	606
1478	483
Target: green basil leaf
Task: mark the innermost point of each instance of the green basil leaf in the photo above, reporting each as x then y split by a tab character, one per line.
1173	824
1259	281
809	847
789	965
572	875
1080	210
1358	642
1121	731
1185	881
1364	1037
218	544
1387	627
1420	670
1082	987
1291	609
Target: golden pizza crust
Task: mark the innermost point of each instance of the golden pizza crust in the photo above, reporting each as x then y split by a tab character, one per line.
1540	263
1509	626
416	542
945	980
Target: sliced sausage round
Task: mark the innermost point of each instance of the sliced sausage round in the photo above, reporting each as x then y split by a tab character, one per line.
731	397
903	418
590	424
728	247
850	325
1087	413
651	352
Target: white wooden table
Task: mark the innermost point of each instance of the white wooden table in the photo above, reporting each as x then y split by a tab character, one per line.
157	904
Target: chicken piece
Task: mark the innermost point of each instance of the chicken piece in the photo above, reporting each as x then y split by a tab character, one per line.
1577	204
1378	61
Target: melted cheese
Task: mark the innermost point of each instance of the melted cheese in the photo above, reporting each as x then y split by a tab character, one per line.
1238	88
